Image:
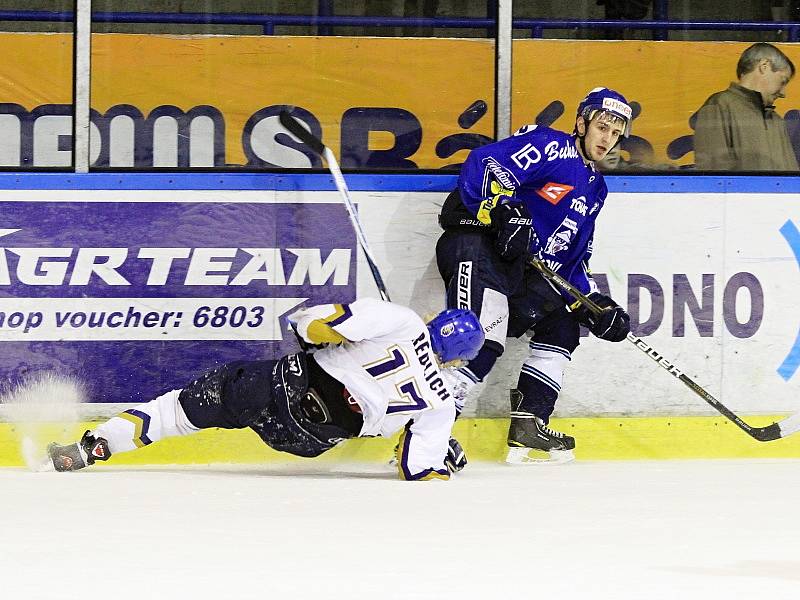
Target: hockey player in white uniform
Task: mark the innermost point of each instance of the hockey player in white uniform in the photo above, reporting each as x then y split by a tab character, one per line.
369	368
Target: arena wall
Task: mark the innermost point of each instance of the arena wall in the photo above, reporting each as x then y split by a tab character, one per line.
708	268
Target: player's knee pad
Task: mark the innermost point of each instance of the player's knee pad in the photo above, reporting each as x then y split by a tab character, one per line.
494	317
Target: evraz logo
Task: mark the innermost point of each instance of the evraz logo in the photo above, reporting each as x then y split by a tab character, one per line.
792	361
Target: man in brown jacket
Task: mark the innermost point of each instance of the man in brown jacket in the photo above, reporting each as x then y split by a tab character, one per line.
738	129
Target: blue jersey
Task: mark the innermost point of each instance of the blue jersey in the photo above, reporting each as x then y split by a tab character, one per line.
541	167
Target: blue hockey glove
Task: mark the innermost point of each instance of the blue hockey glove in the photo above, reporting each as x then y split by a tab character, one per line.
455	460
513	229
613	324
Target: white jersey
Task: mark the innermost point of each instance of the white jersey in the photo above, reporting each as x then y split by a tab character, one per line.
386	362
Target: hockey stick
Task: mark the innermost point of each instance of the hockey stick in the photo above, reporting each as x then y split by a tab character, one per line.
294	127
769	433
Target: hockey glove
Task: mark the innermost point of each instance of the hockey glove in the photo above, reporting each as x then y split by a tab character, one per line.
513	229
455	460
305	346
613	324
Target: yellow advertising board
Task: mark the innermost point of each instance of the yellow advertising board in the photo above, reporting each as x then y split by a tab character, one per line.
37	69
382	103
424	84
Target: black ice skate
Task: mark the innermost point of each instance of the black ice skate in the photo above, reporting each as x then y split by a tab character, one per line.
80	454
530	440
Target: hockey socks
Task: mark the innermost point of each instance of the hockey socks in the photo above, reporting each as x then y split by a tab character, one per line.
146	423
540	379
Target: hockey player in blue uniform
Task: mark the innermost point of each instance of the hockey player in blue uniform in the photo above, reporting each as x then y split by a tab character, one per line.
369	368
536	193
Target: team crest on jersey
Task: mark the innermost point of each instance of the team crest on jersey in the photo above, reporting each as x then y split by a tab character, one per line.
554	192
562	237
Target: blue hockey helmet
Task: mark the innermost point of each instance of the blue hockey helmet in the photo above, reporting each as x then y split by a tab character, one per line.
605	100
456	334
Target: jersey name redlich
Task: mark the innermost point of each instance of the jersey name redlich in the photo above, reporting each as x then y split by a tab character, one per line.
422	349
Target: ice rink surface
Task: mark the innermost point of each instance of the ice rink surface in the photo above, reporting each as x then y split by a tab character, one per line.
589	530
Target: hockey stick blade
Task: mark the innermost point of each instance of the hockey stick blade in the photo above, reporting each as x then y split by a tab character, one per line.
769	433
294	127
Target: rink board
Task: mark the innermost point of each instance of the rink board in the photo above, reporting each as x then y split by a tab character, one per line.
483	440
707	267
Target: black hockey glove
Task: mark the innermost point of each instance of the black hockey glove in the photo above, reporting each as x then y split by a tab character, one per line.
304	345
613	324
513	229
455	460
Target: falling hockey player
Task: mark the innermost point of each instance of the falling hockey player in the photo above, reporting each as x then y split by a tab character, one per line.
376	369
536	193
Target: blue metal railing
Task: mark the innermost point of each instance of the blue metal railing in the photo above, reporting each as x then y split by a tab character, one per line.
324	22
537	26
269	22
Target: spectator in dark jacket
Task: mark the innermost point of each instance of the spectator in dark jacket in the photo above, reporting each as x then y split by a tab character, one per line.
738	129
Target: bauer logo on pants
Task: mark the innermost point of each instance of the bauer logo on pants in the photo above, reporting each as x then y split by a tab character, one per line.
465	285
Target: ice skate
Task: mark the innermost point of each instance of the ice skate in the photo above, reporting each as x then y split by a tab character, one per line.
80	454
531	441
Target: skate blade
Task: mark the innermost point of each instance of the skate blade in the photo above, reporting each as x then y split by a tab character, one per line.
530	456
33	459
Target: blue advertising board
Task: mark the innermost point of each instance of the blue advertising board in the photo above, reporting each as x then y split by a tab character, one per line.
134	292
